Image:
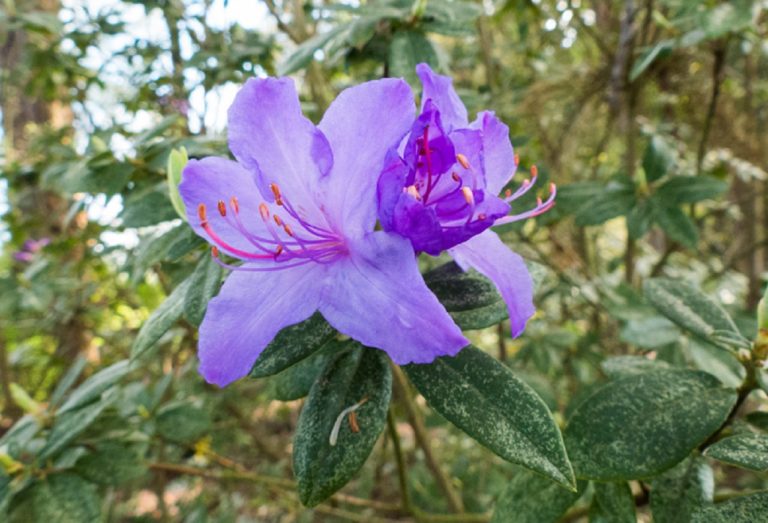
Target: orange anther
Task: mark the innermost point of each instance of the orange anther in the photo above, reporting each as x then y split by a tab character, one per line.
276	192
288	230
481	216
534	171
278	250
462	160
517	160
201	213
222	208
353	426
413	191
508	193
214	251
467	192
234	204
264	211
456	177
552	187
278	221
538	202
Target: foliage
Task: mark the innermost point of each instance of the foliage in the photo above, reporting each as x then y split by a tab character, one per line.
637	391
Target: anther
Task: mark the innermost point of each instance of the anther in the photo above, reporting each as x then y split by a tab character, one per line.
202	214
481	216
264	211
222	208
288	230
534	171
353	425
214	251
278	251
234	204
467	192
278	221
517	160
538	202
462	160
508	193
276	193
413	191
456	177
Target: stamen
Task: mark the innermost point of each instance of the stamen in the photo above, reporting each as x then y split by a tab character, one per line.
214	251
455	176
234	204
481	216
201	213
276	192
534	171
222	208
288	230
264	211
278	221
279	250
337	425
353	426
467	192
462	160
507	193
413	191
517	160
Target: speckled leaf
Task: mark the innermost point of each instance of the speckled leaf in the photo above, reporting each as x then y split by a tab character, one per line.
204	284
110	463
296	381
70	424
692	310
487	401
744	509
60	498
639	426
759	419
681	491
321	468
532	498
94	386
622	366
747	450
613	503
293	344
160	320
182	422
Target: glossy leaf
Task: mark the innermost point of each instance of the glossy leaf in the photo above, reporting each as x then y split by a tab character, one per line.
688	307
293	344
748	450
681	491
487	401
744	509
160	320
639	426
322	468
532	498
204	284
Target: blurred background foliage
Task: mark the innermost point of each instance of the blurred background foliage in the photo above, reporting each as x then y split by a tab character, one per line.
650	115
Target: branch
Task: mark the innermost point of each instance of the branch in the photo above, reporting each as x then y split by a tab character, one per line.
718	75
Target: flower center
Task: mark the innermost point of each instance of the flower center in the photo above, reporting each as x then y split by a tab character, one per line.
286	242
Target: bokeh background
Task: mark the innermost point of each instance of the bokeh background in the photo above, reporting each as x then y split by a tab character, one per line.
650	115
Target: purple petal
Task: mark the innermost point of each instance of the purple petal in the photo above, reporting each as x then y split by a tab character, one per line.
419	224
442	153
490	256
270	136
362	125
211	180
389	188
378	297
498	155
248	312
440	90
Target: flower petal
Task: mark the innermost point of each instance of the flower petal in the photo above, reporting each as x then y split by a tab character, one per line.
490	256
498	155
270	136
248	312
440	90
362	125
211	180
378	297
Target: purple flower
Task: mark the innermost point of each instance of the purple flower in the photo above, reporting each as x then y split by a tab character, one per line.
29	248
440	189
298	209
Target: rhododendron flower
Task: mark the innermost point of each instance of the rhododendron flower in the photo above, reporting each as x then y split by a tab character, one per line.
441	190
298	209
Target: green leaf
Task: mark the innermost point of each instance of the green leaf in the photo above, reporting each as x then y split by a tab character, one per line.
469	297
689	308
650	332
452	18
293	344
640	218
487	401
622	366
744	509
639	426
110	464
613	503
759	419
682	490
93	387
748	450
177	160
60	498
677	225
322	468
204	284
658	158
690	189
67	380
148	206
532	498
160	320
182	423
616	199
659	51
296	381
304	53
70	424
409	48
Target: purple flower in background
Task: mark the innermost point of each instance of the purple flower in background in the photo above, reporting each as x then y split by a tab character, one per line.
441	189
298	209
29	248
